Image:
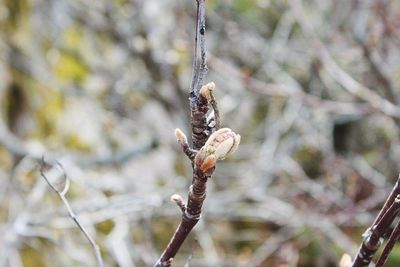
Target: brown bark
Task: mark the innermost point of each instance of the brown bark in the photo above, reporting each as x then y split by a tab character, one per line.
200	133
373	237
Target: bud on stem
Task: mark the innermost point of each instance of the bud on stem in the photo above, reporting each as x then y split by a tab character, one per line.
206	90
219	145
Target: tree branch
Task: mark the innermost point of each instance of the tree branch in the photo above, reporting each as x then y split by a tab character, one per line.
61	188
199	108
394	237
207	147
373	237
202	30
192	89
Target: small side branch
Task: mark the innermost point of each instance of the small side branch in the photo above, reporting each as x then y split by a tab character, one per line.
190	217
61	188
183	142
219	145
179	202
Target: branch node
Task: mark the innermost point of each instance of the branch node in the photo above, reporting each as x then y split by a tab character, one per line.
192	217
179	202
182	140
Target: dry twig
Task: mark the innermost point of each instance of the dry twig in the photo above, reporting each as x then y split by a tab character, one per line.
61	188
373	237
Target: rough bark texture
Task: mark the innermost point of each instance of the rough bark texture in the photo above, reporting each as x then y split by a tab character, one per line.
199	123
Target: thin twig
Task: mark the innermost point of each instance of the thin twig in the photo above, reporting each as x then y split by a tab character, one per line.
203	53
61	194
373	237
192	90
179	202
394	237
214	105
380	228
183	142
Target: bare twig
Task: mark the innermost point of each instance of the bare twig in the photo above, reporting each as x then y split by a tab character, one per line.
373	237
192	89
207	149
179	202
183	142
202	30
199	108
61	192
394	237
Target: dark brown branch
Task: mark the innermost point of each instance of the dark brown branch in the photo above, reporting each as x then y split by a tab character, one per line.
374	235
379	229
199	108
395	192
199	123
190	217
208	147
394	237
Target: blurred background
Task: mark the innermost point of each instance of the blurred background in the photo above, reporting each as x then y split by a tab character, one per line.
311	86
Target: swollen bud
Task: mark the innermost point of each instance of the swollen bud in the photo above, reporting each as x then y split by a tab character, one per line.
207	89
222	143
219	145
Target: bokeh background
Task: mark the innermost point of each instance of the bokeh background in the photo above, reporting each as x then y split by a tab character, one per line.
312	86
